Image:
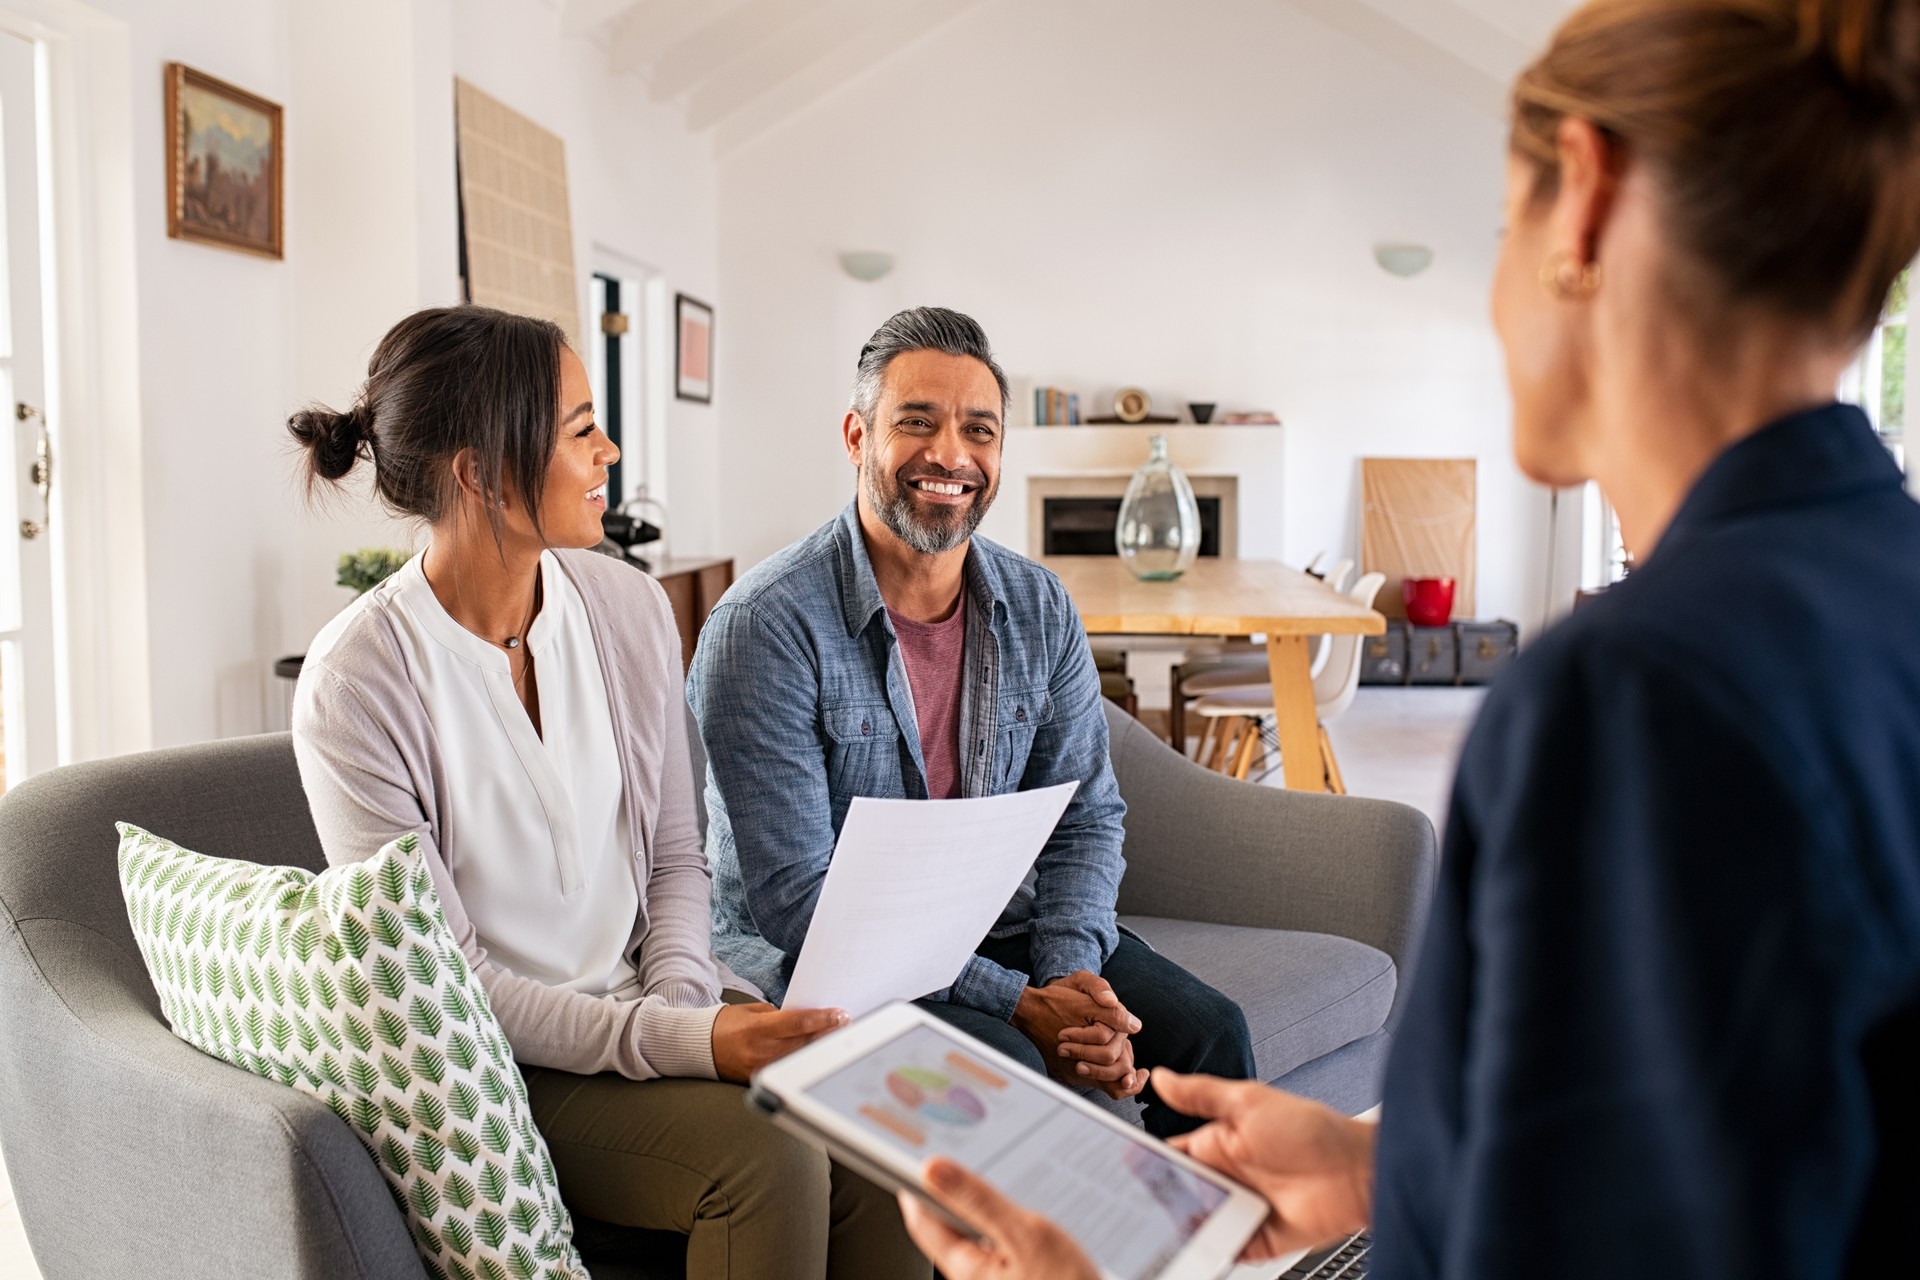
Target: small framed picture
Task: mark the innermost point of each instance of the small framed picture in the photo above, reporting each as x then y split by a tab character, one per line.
224	164
693	349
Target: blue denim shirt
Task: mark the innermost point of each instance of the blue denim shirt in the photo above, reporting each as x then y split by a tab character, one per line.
803	702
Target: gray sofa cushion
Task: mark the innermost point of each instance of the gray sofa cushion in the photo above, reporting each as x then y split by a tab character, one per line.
1348	1080
1304	994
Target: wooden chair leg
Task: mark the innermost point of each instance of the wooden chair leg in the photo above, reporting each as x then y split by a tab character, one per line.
1335	783
1177	716
1206	741
1225	740
1222	730
1249	743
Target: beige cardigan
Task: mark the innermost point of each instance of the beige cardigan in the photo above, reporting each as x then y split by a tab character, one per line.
373	772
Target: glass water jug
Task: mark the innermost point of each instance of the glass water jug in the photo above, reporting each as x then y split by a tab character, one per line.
1158	533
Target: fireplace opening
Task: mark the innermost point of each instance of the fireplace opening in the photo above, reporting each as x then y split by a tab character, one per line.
1084	526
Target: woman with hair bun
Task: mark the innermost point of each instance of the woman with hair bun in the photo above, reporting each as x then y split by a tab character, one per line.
1666	1018
517	702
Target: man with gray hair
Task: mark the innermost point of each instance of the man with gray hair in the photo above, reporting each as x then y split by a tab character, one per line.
891	653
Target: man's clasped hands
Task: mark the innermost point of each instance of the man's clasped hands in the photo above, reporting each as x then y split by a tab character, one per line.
1084	1033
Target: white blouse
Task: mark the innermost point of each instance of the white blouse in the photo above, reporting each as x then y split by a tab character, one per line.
546	874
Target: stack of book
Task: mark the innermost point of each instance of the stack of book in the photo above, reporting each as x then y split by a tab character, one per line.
1053	407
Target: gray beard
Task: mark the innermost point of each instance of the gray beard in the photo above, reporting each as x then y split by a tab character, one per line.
897	512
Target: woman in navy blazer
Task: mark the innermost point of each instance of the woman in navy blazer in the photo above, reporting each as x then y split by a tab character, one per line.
1667	1014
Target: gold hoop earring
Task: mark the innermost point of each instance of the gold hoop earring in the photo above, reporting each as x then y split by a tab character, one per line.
1567	279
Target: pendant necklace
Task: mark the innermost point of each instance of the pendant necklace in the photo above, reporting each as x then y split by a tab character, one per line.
513	642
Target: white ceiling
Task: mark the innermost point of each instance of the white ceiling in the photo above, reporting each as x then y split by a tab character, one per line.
736	67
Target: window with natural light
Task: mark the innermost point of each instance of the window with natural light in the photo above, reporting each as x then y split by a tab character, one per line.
1877	380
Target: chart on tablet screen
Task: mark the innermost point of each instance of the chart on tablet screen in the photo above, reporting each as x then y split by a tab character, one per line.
1126	1200
933	1099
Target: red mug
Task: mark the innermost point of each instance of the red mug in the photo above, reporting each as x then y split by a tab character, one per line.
1429	600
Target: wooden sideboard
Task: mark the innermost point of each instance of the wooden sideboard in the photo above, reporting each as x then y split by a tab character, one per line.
694	584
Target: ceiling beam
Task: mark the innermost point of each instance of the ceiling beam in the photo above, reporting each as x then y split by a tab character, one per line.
1531	22
1458	27
653	26
756	99
755	25
1443	67
578	17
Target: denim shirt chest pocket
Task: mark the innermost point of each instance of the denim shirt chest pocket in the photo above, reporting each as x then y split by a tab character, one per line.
863	752
1020	716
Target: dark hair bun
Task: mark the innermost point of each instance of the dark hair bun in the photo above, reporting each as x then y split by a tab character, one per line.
333	441
1874	45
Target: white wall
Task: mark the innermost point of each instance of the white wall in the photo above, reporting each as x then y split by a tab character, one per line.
214	352
240	571
371	236
1182	197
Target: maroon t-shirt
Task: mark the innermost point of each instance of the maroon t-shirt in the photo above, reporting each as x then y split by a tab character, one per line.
934	666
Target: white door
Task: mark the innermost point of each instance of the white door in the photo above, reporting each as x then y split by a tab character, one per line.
29	518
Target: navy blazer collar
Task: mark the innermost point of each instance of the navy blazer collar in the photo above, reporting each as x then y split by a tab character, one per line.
1816	455
860	596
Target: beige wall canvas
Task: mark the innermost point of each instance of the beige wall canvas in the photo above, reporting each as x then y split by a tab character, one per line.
1417	521
516	224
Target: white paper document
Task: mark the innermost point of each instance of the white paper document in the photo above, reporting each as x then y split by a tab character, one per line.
913	887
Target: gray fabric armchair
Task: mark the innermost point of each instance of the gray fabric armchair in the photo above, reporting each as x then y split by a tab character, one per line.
131	1153
1306	909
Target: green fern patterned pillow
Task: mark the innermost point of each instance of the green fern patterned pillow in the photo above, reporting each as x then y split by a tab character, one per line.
348	986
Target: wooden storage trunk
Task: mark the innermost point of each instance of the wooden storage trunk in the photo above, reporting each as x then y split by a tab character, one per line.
1433	655
1383	658
1486	649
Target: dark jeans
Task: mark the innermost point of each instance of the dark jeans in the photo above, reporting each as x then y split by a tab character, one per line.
1184	1023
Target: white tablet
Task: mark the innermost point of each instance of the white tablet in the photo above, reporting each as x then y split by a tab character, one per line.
898	1086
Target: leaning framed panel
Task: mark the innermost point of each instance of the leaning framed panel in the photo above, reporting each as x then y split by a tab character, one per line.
1218	597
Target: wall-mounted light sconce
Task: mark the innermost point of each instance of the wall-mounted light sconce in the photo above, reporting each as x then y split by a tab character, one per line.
1403	260
866	264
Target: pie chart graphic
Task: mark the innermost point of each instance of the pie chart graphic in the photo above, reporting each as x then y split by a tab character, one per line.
936	1097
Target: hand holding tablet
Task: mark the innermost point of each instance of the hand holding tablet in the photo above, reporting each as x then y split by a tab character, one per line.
899	1087
1313	1165
1018	1244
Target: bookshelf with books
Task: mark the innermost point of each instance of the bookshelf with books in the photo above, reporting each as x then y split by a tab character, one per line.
1053	407
1130	407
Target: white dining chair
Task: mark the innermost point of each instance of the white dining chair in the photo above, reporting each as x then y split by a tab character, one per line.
1235	714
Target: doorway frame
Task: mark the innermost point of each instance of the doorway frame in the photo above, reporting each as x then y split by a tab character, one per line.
646	420
102	662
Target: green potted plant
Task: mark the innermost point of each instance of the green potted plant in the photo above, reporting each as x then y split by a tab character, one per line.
363	570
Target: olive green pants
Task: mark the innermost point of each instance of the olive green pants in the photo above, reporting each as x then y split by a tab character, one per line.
687	1156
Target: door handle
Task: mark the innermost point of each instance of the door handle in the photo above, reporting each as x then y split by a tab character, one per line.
40	474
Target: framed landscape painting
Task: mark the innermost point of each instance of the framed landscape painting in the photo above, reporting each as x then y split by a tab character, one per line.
223	164
693	349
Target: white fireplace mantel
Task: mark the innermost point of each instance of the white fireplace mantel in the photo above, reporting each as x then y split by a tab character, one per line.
1100	460
1113	484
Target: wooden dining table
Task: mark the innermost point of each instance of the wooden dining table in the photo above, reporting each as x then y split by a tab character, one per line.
1218	597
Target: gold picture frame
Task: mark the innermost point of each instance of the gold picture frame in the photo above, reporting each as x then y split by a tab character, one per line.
225	165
